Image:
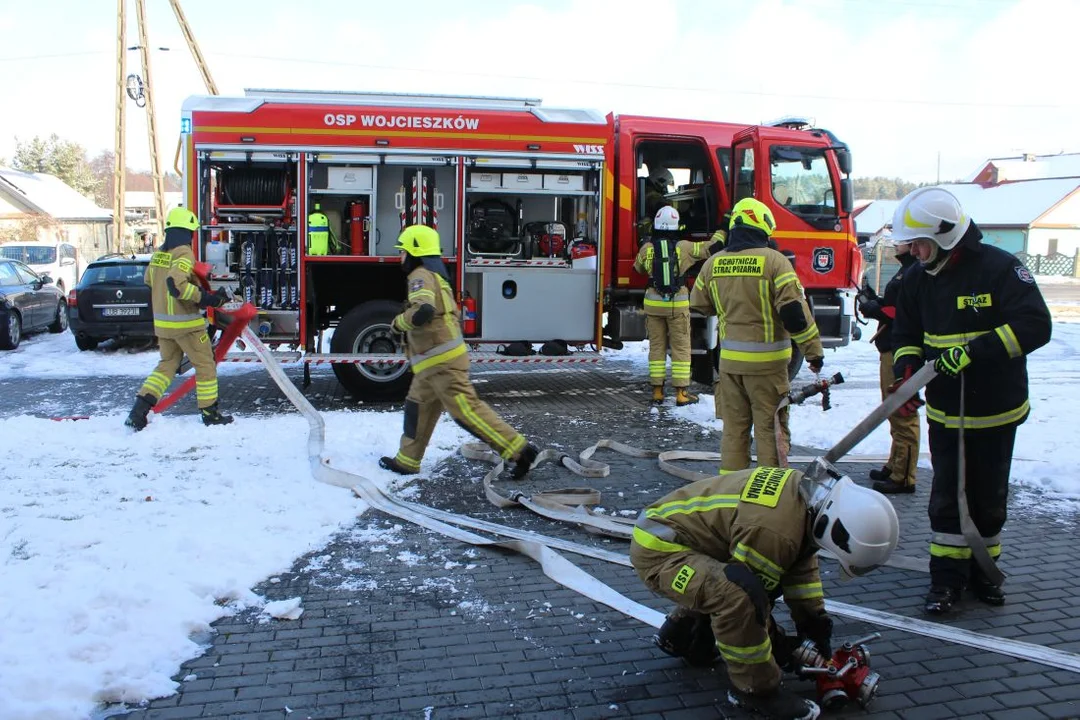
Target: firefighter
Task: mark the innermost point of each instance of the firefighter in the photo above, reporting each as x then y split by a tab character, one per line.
666	259
759	302
657	186
178	302
975	311
727	547
431	323
898	474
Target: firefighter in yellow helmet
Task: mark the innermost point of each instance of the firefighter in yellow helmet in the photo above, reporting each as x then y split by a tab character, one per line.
431	323
666	260
725	548
761	309
178	305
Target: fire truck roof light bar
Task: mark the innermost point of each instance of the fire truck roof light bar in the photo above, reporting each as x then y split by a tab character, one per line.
336	97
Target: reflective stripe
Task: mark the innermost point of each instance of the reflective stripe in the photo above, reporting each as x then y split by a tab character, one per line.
680	370
784	278
767	324
748	654
195	323
944	341
407	461
423	292
1008	339
806	335
494	439
206	390
749	556
750	346
701	503
647	540
948	551
807	591
907	350
684	302
438	355
184	264
978	422
784	354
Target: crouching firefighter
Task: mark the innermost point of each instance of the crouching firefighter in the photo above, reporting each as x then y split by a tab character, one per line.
666	259
431	323
725	548
178	303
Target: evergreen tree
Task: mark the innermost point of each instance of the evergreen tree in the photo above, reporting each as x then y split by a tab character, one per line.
63	158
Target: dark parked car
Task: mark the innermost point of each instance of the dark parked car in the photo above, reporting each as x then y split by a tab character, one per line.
111	301
28	303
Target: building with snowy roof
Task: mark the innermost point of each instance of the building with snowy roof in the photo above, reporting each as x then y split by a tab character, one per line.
36	206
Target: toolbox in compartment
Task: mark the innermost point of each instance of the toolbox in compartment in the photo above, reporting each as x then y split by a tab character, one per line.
523	181
564	182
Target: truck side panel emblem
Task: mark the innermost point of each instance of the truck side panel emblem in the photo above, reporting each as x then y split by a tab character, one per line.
823	260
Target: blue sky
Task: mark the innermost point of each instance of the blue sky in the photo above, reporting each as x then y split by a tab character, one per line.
900	81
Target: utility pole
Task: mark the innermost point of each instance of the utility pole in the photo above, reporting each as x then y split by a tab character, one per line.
120	135
151	119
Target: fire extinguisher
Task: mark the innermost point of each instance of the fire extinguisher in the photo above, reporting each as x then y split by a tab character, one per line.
355	226
468	314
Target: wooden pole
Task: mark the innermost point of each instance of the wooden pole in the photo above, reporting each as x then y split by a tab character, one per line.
120	133
151	121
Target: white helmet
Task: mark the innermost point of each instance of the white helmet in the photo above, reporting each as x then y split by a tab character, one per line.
930	213
667	218
661	177
857	525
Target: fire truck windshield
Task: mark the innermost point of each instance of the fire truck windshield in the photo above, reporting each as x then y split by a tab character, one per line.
802	184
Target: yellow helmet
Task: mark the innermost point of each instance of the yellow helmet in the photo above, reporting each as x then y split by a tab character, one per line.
182	217
754	213
419	241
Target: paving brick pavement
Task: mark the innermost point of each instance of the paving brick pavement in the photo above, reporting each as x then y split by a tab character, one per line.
414	625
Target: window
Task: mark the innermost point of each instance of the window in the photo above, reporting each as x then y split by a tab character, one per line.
723	156
8	276
1051	246
26	275
126	274
67	252
801	182
30	254
744	168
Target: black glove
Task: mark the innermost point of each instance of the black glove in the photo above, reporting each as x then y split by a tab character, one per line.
717	247
424	315
754	589
819	630
214	299
867	294
872	309
815	364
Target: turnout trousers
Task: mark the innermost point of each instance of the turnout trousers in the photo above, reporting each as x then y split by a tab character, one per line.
671	329
750	401
696	581
196	345
904	452
447	387
989	460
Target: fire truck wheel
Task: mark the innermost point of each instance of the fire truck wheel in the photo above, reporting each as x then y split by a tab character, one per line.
366	329
704	366
796	362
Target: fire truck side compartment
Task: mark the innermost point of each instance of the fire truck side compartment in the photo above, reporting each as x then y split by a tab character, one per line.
537	304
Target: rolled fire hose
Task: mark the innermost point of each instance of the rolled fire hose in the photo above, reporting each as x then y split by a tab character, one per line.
538	547
967	525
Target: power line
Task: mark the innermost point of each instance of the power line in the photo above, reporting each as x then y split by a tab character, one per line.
645	86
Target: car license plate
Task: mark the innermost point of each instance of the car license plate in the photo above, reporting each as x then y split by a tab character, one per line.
120	312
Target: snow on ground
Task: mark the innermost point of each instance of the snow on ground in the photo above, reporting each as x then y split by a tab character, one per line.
118	554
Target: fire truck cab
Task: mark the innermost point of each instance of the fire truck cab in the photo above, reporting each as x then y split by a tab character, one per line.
541	211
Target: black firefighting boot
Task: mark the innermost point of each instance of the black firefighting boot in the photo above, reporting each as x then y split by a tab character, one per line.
778	704
142	407
688	634
391	464
658	393
940	599
885	473
682	397
212	416
524	461
989	594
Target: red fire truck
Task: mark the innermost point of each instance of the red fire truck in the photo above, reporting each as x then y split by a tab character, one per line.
541	212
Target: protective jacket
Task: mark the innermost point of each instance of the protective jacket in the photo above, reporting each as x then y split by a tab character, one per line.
687	253
754	517
984	298
430	319
174	289
759	302
886	312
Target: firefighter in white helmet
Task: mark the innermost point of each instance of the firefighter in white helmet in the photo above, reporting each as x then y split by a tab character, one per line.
761	309
725	548
666	260
976	312
431	323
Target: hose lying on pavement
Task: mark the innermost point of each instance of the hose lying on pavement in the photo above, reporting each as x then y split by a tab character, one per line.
539	547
